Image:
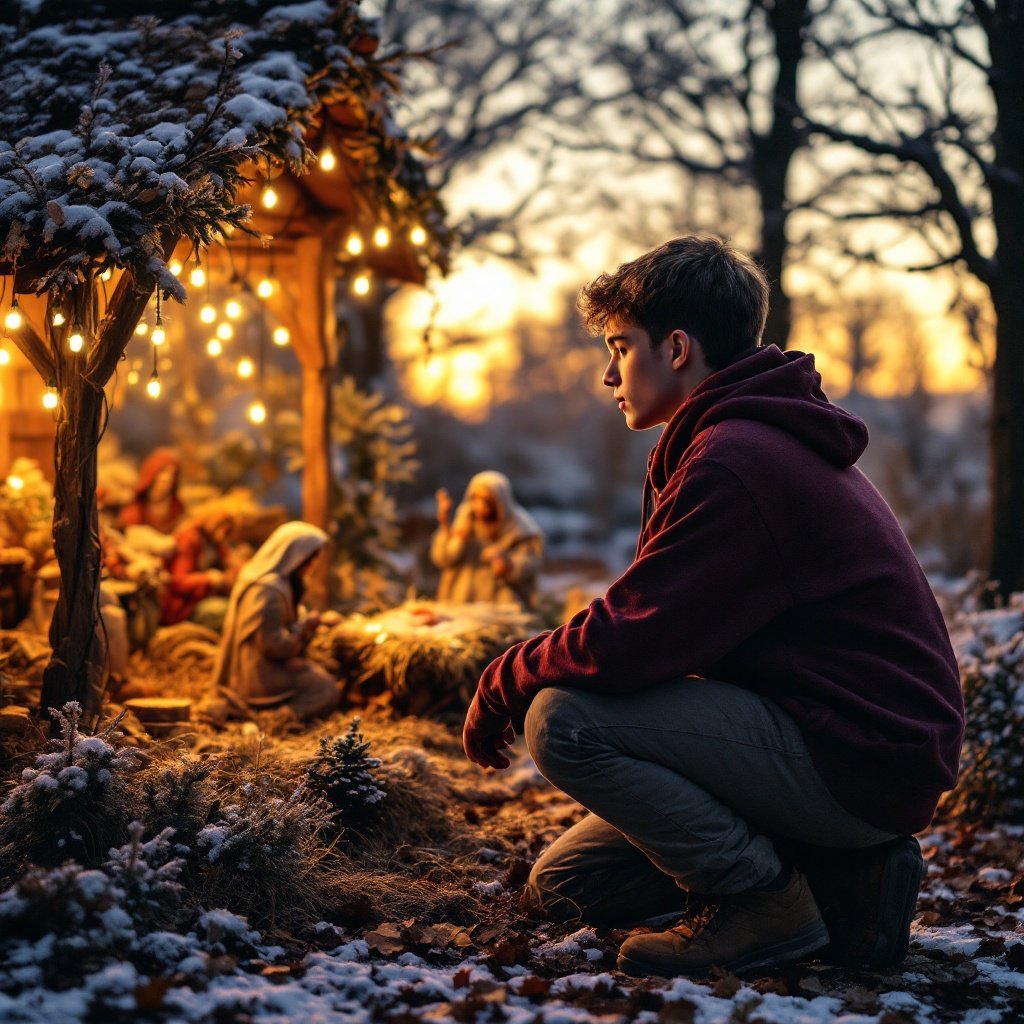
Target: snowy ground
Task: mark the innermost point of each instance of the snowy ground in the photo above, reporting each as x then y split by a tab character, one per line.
966	961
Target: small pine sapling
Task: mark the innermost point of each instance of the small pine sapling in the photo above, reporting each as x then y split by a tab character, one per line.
344	773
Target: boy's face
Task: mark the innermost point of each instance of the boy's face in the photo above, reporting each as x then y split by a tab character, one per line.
647	383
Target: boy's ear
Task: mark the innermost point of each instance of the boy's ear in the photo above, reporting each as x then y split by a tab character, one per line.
681	346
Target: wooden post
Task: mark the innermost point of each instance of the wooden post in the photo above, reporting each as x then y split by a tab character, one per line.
315	347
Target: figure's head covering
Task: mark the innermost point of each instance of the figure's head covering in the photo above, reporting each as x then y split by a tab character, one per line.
287	548
290	546
157	460
516	523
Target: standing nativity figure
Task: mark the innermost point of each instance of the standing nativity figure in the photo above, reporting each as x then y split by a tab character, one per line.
493	549
266	630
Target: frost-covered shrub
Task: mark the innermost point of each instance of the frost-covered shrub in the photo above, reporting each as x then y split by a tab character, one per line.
53	918
262	833
75	802
991	783
147	873
182	798
344	773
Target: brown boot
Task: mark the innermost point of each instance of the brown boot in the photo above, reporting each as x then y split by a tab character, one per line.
751	930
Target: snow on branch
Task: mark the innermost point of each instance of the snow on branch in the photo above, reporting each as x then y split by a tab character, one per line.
117	133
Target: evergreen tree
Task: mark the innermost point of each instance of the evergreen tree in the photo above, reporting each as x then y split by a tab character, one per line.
343	772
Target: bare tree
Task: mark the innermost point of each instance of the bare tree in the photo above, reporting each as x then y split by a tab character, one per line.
713	88
948	151
505	67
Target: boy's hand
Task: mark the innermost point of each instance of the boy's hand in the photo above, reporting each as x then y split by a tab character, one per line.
486	735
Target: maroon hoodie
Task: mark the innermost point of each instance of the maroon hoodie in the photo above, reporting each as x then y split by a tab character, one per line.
769	561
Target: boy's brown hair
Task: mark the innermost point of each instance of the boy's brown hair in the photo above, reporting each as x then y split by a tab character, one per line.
697	283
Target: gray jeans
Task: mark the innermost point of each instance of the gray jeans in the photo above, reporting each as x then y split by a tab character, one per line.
686	781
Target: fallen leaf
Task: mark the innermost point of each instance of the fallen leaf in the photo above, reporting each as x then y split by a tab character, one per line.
1015	956
726	984
531	985
679	1011
150	996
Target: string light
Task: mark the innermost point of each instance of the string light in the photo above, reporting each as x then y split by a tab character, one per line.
257	412
361	284
133	377
233	309
198	275
13	320
353	244
246	368
225	331
58	319
142	328
327	159
268	197
265	288
214	348
153	385
159	335
175	268
208	314
281	336
50	399
418	235
76	340
381	237
5	356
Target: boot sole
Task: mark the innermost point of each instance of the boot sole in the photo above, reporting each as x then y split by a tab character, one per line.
901	882
781	953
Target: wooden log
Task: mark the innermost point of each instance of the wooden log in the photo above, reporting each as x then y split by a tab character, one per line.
160	710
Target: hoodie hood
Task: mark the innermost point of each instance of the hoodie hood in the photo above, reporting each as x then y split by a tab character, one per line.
782	389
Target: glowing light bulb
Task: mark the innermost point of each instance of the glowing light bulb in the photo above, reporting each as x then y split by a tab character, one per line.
233	309
328	161
257	412
107	274
5	356
76	340
153	385
133	377
198	276
13	320
142	328
246	368
353	244
58	319
208	314
214	348
381	237
159	335
418	235
225	331
268	197
361	284
265	288
50	399
175	267
281	336
15	482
